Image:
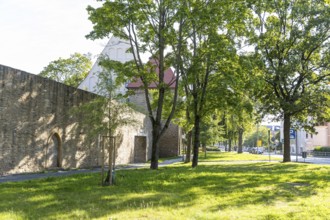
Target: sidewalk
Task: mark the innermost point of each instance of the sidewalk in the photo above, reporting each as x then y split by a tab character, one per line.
309	159
31	176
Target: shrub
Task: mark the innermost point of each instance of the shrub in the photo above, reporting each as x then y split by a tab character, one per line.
322	149
212	148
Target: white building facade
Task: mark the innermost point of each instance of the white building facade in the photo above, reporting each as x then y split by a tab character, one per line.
116	49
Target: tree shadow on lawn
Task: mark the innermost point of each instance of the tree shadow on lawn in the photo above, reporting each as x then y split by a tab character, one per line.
80	196
266	183
172	187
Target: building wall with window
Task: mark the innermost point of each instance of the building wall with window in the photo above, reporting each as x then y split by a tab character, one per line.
38	130
320	138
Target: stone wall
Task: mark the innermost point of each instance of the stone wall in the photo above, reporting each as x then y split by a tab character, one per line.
38	130
171	142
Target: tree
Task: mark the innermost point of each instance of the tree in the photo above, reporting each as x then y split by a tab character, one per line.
70	71
104	115
258	133
291	39
203	46
148	26
211	131
243	105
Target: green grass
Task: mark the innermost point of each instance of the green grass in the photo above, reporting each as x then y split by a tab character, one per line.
230	157
216	189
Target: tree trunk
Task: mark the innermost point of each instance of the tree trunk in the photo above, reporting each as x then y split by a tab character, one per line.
189	141
156	129
286	131
229	145
204	149
240	140
196	140
109	178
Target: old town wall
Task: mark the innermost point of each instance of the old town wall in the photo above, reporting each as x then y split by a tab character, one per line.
38	130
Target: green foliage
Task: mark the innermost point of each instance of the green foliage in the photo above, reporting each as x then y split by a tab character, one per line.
70	71
104	114
211	131
291	40
214	148
149	28
260	133
205	56
233	187
322	149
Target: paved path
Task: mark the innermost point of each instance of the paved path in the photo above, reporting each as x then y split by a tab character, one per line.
31	176
309	159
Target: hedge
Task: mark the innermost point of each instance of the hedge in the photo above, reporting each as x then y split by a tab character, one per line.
322	149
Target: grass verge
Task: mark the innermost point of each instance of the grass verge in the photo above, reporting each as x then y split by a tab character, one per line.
216	189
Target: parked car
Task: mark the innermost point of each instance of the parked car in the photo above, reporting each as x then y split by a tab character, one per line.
257	150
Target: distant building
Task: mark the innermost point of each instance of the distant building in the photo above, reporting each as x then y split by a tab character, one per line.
117	49
301	140
171	142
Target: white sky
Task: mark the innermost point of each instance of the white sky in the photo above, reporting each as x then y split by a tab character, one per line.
36	32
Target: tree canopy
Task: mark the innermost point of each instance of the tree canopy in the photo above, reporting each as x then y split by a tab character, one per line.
291	40
148	26
70	71
286	75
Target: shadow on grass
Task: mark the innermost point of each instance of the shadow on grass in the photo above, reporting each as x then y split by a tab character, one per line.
171	187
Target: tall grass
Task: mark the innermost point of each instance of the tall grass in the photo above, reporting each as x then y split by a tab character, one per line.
216	189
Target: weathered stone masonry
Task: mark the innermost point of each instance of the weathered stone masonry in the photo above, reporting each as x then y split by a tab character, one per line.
38	132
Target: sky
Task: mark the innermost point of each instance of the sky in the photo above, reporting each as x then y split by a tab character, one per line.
35	32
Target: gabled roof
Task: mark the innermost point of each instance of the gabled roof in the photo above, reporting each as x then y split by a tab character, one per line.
169	78
116	49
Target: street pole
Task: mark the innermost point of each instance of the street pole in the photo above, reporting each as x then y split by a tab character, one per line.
257	137
296	145
269	144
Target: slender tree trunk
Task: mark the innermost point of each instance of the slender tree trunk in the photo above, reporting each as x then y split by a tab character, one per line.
204	147
240	140
109	178
156	129
189	141
286	131
156	124
229	144
196	140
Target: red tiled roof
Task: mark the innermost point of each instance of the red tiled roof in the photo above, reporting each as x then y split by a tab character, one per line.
169	79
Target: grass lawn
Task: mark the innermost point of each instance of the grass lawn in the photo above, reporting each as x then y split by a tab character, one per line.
223	186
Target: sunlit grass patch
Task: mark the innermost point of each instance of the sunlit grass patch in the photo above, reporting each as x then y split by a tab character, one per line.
213	190
233	156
